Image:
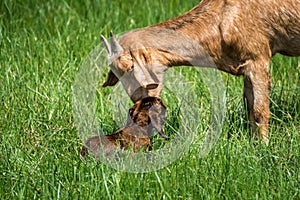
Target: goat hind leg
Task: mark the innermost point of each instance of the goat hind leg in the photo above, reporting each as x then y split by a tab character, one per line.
257	83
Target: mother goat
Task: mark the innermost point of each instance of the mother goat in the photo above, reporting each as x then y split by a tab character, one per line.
236	36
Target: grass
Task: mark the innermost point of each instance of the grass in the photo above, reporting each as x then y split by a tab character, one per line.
42	46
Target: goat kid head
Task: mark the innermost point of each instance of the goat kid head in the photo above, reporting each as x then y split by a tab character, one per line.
149	113
145	115
139	69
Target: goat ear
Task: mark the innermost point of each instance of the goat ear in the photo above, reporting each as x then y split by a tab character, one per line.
144	75
130	116
133	113
158	117
111	79
146	79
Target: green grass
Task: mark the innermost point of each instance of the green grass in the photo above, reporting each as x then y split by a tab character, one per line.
42	46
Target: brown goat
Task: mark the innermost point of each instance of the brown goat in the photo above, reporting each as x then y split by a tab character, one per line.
145	115
239	36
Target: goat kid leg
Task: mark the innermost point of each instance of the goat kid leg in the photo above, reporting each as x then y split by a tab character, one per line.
257	84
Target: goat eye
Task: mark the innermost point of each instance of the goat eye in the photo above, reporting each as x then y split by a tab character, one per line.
130	69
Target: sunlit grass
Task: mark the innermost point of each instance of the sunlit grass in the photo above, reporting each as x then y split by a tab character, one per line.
42	46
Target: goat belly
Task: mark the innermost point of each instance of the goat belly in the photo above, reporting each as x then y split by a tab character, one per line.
100	144
129	138
134	138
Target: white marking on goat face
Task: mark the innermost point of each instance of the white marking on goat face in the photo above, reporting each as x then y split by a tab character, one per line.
139	79
120	64
138	68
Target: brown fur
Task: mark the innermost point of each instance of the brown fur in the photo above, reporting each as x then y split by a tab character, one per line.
145	115
240	36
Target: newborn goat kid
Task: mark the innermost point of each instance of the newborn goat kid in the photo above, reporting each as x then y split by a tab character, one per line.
236	36
145	115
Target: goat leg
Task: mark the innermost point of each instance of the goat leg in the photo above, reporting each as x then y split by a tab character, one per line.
257	83
163	135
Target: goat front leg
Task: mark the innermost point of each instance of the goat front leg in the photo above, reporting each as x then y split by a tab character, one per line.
257	84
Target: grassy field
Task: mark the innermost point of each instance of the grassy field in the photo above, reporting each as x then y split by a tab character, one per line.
42	46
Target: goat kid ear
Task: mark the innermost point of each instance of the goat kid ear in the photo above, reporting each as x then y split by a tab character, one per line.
130	116
133	113
158	117
111	79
